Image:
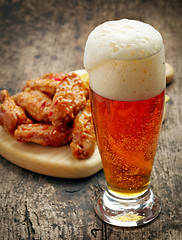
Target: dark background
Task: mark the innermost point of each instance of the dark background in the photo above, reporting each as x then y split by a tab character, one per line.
38	37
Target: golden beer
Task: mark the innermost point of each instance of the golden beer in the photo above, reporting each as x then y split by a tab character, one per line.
127	134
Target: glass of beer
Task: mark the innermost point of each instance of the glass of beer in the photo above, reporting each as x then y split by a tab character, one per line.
126	65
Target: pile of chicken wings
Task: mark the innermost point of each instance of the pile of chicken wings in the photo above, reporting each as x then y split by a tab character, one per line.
52	110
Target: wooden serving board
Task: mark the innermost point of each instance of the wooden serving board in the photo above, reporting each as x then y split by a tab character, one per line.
51	161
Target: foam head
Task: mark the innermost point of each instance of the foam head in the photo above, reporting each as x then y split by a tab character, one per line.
125	60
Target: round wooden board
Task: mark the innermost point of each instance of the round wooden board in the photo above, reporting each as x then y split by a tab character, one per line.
51	161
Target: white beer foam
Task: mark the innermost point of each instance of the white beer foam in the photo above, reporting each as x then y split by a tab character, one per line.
125	60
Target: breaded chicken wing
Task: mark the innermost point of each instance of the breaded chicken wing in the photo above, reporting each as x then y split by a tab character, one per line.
11	115
47	83
83	135
36	103
68	100
43	134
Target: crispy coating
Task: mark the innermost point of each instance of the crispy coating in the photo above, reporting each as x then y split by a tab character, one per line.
36	103
86	89
11	115
68	100
55	76
47	83
83	135
43	134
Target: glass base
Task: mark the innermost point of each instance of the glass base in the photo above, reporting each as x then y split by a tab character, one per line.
128	212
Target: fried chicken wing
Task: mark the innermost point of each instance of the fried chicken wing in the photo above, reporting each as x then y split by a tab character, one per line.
47	83
68	100
36	103
43	134
11	115
83	135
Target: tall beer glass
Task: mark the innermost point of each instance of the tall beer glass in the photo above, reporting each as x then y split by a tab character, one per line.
126	65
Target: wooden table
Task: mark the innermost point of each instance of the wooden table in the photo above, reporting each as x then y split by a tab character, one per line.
38	37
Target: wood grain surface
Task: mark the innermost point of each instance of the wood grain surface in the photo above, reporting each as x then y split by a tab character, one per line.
38	37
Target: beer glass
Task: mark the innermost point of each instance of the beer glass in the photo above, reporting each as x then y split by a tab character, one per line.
126	65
